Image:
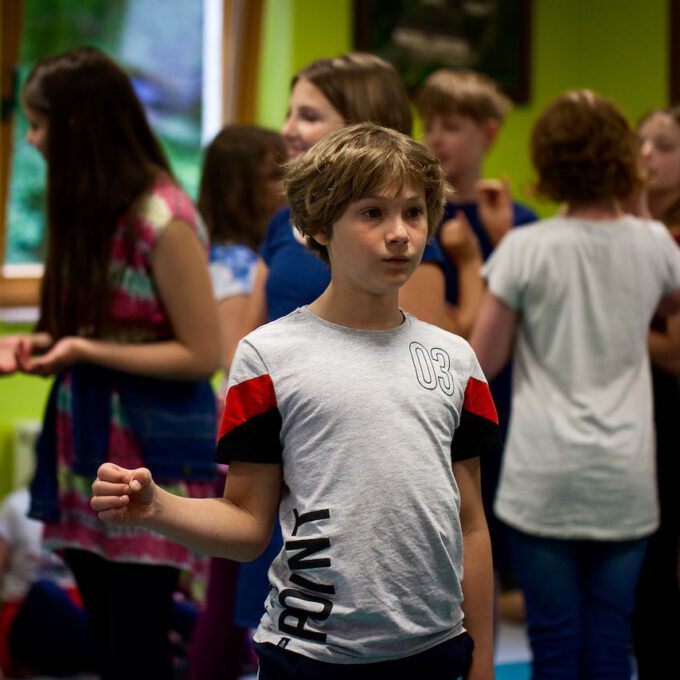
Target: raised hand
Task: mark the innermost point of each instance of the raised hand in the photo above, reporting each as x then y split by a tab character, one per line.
494	203
123	496
458	239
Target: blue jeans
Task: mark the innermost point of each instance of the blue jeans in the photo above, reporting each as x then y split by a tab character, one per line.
579	601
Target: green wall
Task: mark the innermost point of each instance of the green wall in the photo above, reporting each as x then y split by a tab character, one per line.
22	398
295	33
617	47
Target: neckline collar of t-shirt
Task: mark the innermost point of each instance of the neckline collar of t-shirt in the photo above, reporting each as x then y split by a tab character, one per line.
397	330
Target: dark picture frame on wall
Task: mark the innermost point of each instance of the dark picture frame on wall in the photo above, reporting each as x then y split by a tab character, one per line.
674	52
420	36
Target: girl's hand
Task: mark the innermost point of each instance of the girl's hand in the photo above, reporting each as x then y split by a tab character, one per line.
494	203
9	346
459	241
62	354
8	350
123	496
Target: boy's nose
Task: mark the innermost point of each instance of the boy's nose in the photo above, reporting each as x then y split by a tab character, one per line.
397	232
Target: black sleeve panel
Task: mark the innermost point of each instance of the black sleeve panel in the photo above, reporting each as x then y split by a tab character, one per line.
475	436
254	441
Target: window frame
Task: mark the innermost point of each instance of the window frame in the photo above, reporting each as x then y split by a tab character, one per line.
19	284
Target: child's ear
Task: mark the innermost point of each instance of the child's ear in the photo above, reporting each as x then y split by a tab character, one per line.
491	129
321	238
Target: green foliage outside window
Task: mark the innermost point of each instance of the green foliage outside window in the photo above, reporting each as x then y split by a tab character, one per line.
123	29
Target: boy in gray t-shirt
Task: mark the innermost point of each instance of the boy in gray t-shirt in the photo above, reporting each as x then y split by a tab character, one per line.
341	417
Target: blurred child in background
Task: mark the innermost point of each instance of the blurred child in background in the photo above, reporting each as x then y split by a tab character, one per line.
240	189
570	299
659	587
463	114
43	628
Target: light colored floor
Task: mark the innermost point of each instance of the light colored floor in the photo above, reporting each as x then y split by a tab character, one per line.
512	646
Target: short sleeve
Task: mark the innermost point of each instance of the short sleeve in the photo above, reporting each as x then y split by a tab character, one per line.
232	270
504	270
156	209
477	433
521	215
251	423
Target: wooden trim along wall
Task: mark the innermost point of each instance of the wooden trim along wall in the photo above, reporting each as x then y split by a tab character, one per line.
19	285
249	61
241	36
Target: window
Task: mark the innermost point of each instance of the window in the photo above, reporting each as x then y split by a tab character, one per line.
176	85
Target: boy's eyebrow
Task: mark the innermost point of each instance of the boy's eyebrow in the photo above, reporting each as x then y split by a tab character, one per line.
375	197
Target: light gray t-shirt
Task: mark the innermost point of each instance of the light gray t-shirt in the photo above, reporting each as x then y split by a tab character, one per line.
363	424
579	457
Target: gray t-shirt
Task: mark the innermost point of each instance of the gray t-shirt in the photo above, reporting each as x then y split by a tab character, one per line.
363	424
579	458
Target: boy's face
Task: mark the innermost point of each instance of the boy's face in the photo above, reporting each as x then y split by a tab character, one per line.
378	242
459	142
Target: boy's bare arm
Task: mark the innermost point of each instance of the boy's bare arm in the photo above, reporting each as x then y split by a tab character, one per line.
237	526
477	569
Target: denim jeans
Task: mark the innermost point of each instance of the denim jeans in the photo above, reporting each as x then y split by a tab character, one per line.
579	598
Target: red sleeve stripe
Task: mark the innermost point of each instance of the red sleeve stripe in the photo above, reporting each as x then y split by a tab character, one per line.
478	400
246	400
